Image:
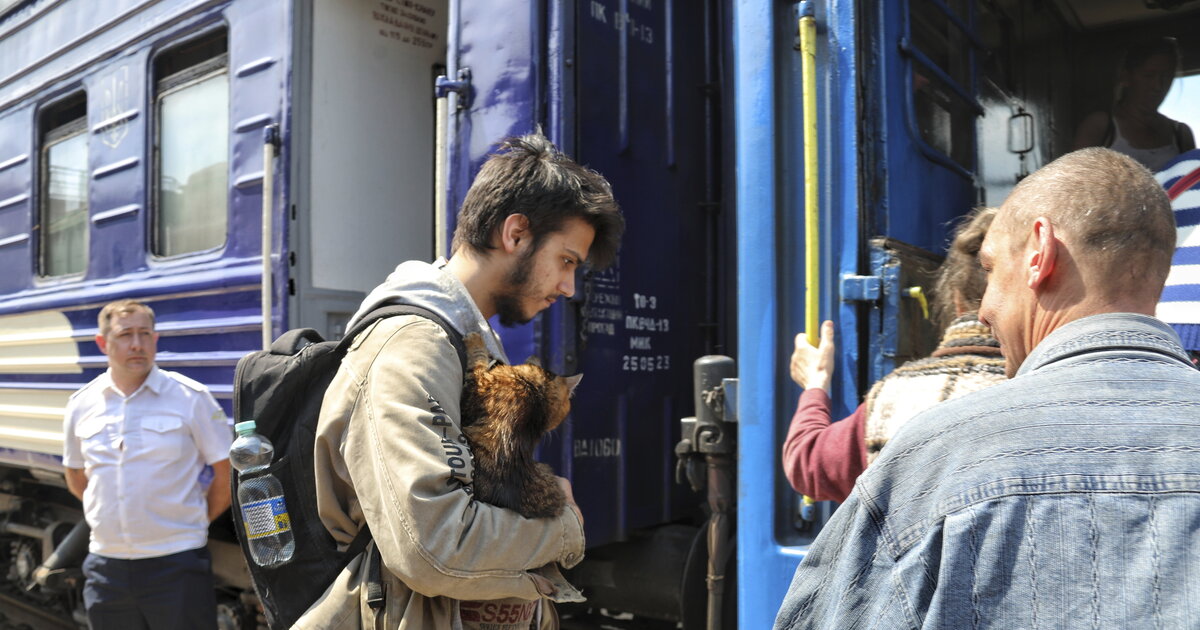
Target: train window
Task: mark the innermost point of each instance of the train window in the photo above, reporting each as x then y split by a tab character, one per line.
943	76
192	147
940	39
63	210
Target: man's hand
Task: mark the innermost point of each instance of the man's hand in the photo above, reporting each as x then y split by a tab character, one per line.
812	368
218	498
566	488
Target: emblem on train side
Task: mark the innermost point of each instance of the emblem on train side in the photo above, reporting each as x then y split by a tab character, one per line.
114	107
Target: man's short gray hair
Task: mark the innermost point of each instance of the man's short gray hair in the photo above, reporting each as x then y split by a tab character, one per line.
1108	207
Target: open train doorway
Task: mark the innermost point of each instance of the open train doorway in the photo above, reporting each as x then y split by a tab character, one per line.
363	152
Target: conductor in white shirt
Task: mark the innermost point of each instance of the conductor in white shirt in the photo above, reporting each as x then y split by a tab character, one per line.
136	440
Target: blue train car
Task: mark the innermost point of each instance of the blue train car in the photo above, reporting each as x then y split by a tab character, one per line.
244	167
250	166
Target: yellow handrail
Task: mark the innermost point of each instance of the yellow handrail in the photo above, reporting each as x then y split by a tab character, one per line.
808	74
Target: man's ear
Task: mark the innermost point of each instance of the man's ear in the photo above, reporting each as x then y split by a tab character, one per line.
102	343
514	233
1044	255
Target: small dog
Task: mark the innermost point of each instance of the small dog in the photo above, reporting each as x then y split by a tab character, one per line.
506	409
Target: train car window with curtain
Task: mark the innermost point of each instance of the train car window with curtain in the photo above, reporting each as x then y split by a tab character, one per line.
192	148
63	213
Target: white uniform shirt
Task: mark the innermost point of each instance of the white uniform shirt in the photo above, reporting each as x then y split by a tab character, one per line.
143	455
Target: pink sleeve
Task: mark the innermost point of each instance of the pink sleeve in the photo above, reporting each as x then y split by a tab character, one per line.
823	459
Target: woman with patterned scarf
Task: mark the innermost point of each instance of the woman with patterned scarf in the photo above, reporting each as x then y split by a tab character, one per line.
823	459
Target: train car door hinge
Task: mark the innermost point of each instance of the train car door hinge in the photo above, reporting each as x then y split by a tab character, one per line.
861	288
443	85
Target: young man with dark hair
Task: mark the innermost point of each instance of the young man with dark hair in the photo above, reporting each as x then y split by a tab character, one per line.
390	452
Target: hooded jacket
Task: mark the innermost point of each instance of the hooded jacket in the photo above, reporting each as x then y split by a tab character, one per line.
390	453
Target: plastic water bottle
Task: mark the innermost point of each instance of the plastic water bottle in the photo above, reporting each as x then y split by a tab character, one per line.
260	498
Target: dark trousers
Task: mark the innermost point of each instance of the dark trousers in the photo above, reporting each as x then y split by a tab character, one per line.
163	593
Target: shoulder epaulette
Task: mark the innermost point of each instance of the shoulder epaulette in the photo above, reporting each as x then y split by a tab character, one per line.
90	384
185	381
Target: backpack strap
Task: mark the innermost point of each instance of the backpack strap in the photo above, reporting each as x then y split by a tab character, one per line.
376	590
359	543
392	310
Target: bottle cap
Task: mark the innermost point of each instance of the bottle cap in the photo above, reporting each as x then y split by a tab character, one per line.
244	428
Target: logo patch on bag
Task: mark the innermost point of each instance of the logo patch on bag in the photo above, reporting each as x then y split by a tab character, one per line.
498	615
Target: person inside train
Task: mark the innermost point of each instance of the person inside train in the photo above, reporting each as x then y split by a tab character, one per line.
1180	303
823	459
1134	125
135	442
390	452
1065	496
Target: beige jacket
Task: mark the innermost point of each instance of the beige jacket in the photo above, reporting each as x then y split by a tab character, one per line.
390	452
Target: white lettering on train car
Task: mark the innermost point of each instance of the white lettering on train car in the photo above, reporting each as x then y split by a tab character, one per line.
597	447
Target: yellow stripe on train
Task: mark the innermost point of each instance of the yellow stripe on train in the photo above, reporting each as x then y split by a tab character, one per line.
38	343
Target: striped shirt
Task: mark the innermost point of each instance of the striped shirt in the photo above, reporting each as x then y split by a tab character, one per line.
1180	302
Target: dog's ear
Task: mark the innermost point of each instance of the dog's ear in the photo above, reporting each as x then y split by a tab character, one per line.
533	360
573	381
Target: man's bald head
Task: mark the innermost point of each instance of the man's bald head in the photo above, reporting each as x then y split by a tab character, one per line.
1114	217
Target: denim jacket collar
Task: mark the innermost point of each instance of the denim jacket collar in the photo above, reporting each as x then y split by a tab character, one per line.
1131	331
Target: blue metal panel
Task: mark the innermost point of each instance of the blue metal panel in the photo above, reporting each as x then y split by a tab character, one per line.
838	126
119	97
641	123
52	39
913	197
763	570
16	176
642	324
260	67
501	44
770	305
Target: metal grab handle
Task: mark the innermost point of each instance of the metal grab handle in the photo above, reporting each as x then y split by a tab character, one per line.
919	295
442	89
812	240
270	145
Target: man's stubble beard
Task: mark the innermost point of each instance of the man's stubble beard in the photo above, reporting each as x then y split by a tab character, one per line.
508	299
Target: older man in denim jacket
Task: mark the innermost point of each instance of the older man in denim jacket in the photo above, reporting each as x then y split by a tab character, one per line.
1067	497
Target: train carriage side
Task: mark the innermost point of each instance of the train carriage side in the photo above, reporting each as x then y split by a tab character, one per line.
925	108
132	144
131	168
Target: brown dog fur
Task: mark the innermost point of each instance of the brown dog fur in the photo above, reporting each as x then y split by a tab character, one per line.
506	409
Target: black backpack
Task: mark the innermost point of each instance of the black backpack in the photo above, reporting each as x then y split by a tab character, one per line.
281	389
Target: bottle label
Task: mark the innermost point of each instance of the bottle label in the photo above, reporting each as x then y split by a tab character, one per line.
266	517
